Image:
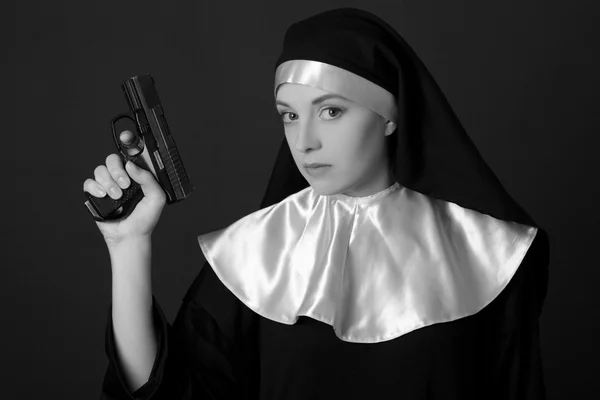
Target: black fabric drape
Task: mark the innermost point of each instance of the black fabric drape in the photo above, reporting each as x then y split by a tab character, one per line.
217	348
434	154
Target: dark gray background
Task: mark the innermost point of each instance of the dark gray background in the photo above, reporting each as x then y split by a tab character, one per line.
522	76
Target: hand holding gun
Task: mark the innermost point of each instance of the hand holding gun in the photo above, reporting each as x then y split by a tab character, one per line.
152	160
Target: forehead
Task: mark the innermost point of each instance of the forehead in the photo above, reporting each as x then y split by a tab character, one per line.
301	96
298	93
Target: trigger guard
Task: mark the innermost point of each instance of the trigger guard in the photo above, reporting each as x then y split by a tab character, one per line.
122	149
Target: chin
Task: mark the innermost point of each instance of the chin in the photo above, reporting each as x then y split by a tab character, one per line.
324	191
325	188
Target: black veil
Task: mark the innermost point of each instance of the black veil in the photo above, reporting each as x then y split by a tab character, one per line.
433	154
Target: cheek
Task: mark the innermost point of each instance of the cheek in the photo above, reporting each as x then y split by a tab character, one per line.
354	146
288	139
363	151
295	155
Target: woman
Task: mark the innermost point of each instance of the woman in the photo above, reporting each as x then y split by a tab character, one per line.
386	260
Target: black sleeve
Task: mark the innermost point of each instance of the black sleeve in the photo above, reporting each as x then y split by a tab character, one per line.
208	353
519	372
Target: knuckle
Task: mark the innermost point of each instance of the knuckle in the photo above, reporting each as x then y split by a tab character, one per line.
116	168
115	172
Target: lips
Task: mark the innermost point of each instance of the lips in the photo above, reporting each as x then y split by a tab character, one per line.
316	170
315	165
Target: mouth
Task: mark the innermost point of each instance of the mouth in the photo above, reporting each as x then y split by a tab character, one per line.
315	165
316	170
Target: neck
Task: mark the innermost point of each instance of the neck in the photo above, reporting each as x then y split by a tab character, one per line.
372	184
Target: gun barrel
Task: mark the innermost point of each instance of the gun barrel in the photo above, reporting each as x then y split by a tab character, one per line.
143	100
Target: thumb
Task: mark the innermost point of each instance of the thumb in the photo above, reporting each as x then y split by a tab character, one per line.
149	185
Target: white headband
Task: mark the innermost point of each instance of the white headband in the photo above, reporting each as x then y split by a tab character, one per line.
337	80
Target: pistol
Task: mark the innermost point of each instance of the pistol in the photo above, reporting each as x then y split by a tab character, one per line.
153	148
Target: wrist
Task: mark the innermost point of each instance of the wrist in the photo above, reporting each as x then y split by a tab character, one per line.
128	243
131	256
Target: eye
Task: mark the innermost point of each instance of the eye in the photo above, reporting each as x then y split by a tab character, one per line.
288	117
329	113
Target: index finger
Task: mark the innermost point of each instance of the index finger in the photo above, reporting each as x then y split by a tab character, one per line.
126	137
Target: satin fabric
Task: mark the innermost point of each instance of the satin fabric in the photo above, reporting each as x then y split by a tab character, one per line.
336	80
374	268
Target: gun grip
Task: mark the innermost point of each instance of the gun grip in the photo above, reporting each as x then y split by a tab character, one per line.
106	209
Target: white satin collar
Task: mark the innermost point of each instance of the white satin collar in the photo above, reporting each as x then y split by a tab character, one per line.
374	268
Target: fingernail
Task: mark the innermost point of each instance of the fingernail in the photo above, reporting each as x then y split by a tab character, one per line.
124	182
114	191
100	192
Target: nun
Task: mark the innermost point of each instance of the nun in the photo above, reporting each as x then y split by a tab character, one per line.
386	259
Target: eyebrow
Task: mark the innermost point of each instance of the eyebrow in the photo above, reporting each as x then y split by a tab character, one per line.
316	101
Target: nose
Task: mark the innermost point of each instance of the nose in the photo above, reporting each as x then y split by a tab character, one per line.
307	138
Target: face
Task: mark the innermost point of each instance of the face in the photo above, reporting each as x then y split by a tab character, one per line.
338	145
